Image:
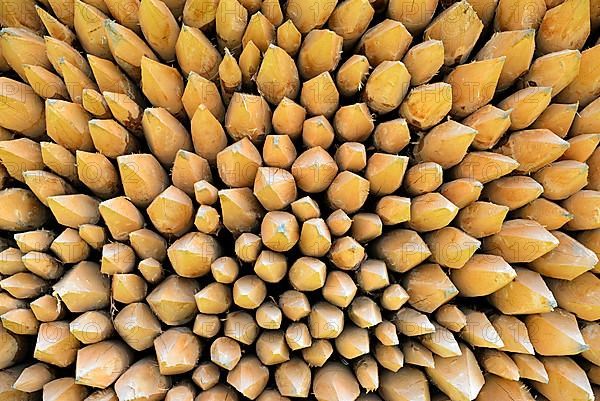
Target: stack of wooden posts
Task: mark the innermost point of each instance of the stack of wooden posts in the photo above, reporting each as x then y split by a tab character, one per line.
220	200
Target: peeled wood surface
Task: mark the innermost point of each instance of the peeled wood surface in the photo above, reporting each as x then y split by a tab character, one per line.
340	200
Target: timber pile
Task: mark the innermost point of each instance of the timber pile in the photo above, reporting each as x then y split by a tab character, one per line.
369	200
